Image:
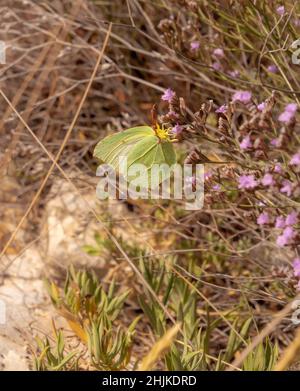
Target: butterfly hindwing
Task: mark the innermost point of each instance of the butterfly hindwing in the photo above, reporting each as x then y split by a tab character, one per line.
152	151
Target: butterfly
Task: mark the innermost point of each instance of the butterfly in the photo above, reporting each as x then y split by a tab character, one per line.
139	145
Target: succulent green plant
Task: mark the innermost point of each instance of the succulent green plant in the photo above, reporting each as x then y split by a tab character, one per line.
53	358
91	313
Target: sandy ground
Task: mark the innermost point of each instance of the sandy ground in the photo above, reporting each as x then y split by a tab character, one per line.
66	226
25	309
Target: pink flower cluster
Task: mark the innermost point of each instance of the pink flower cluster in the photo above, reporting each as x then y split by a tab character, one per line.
272	68
246	143
168	95
280	10
261	106
288	114
219	53
280	222
195	45
267	180
242	96
286	237
295	160
285	223
247	182
222	109
263	218
177	129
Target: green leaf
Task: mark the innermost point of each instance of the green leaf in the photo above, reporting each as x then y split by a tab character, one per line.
64	361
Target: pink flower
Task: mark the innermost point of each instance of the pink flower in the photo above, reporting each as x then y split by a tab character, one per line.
272	68
281	241
280	10
219	53
275	142
216	187
222	109
177	129
246	143
267	180
216	66
242	96
291	218
277	168
288	114
286	237
247	182
295	160
296	266
297	22
195	45
280	222
263	218
285	117
287	188
168	95
261	106
291	108
234	73
288	233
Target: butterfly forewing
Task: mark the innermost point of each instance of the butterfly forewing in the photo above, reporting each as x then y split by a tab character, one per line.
117	145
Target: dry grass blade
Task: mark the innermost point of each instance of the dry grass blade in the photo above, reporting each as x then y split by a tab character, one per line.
262	335
289	354
159	348
68	133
